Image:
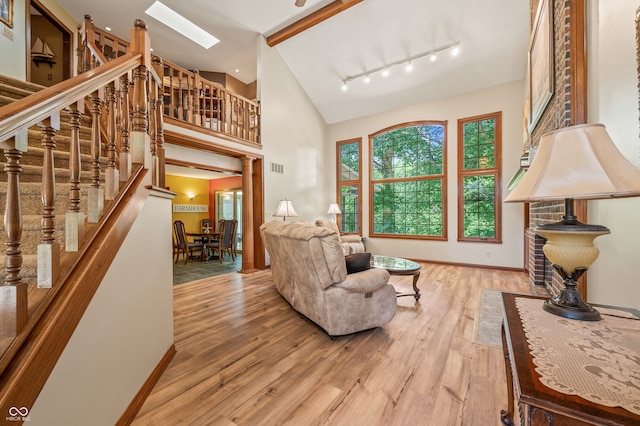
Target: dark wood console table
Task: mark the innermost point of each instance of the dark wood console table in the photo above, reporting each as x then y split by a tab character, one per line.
537	403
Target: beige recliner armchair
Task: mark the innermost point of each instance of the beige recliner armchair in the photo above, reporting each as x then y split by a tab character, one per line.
350	243
309	270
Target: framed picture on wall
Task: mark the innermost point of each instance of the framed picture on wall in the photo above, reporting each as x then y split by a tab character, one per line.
541	62
6	12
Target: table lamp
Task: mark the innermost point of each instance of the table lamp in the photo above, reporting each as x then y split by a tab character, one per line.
334	209
285	209
577	162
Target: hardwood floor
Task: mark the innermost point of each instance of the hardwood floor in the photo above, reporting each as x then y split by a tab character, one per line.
246	358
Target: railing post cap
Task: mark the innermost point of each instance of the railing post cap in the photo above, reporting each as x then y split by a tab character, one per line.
139	23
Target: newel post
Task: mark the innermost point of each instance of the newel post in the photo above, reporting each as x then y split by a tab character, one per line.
139	139
159	113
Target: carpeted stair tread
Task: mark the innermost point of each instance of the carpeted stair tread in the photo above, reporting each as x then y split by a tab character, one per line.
31	178
34	174
34	157
31	197
18	92
21	84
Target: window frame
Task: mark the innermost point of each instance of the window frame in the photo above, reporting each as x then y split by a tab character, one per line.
495	171
352	182
442	177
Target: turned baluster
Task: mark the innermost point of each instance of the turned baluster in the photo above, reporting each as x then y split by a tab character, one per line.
181	100
96	193
197	98
172	94
257	123
74	218
13	292
111	174
139	138
49	249
160	140
153	129
188	100
125	128
217	102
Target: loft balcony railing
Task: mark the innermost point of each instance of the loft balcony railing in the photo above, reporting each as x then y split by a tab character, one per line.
189	100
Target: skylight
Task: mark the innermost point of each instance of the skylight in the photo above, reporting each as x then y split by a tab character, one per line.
179	23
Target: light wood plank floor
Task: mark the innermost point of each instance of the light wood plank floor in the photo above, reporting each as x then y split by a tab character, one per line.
246	358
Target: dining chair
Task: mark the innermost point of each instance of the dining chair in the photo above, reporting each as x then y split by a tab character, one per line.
227	230
182	244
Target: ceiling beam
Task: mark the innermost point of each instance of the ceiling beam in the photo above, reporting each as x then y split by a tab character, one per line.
310	20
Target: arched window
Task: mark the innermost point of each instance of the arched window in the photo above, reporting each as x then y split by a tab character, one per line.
408	181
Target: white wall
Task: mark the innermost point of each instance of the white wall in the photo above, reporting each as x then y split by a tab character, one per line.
13	63
613	101
294	135
508	98
124	333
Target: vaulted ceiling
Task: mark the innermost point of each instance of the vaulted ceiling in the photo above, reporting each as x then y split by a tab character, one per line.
493	37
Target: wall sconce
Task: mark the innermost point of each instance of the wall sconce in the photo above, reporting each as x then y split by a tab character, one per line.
191	196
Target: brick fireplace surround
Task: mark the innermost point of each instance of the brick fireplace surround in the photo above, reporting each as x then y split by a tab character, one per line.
566	107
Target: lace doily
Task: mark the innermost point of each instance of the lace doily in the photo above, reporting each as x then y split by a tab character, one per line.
596	360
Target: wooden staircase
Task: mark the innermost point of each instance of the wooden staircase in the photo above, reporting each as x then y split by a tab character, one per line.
96	175
31	178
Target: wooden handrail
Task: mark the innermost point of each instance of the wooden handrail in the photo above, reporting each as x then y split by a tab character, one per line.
24	113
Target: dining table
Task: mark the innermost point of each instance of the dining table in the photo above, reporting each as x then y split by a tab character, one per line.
207	239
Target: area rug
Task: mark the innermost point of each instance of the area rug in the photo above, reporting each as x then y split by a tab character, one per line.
488	321
195	270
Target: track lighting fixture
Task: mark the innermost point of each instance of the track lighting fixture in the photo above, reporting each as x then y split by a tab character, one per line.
409	63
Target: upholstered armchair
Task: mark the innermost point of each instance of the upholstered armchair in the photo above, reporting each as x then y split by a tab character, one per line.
350	243
309	270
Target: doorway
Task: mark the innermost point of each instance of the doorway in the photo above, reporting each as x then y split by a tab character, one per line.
49	47
228	206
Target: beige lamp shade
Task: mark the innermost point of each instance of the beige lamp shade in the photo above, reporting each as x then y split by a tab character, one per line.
334	209
285	209
578	162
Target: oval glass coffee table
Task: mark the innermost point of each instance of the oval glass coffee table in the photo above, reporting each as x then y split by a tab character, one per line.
399	266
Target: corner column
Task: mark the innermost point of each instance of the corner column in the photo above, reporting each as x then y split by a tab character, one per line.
248	264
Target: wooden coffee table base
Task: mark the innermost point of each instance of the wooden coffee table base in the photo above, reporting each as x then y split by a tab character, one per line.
416	290
399	266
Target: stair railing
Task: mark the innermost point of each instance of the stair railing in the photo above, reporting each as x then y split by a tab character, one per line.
187	97
107	88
